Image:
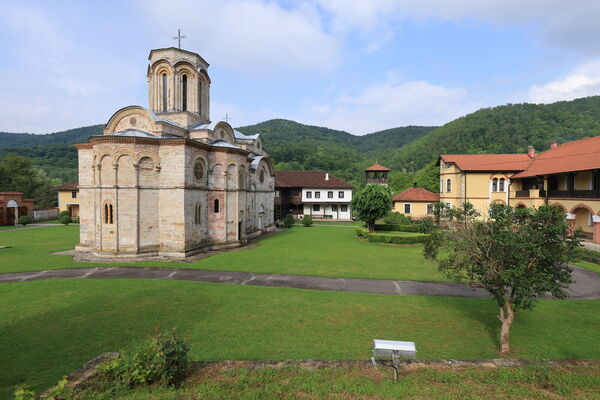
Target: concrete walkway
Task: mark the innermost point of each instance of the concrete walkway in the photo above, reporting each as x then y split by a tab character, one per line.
587	284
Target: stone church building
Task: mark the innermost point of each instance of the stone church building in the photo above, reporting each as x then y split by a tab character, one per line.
166	180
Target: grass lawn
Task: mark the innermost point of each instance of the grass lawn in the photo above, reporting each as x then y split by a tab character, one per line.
319	250
580	382
588	265
49	328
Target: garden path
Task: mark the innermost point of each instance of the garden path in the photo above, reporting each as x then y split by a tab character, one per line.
586	286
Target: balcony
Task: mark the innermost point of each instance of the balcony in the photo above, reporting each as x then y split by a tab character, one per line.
576	194
522	193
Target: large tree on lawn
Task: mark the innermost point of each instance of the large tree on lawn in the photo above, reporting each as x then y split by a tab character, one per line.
517	255
373	202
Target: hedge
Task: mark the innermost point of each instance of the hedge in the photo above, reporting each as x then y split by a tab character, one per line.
391	238
588	255
398	228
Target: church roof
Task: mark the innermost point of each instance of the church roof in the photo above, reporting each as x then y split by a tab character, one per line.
376	167
309	179
240	135
223	143
134	133
416	194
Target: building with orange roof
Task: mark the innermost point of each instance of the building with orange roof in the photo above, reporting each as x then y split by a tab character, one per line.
415	202
377	174
566	175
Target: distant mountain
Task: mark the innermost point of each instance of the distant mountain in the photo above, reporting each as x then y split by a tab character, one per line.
505	129
8	140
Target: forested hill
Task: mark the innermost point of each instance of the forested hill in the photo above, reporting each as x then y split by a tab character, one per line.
505	129
291	145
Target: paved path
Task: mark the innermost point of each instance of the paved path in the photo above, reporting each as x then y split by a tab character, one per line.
587	284
30	226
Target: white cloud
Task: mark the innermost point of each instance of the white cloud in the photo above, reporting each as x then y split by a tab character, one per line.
390	104
581	82
571	25
255	36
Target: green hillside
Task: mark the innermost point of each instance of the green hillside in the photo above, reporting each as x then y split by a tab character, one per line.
505	129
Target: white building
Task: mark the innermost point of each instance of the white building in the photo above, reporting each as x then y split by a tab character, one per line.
314	193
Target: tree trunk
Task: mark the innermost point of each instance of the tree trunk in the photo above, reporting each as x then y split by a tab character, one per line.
371	226
507	315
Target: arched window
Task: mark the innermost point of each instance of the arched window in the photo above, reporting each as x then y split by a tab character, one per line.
441	185
164	92
501	187
495	185
216	205
184	92
448	185
198	214
108	213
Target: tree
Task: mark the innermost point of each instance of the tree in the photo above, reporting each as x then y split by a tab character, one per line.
373	202
517	255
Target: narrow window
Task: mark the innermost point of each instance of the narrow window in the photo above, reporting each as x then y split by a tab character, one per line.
73	195
344	208
407	208
164	92
198	214
317	195
448	185
341	195
216	205
330	195
184	92
441	186
590	219
309	195
199	97
108	213
429	208
495	185
501	186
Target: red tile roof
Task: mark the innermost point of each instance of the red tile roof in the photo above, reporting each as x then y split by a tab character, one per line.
416	194
377	167
309	179
579	155
489	162
68	187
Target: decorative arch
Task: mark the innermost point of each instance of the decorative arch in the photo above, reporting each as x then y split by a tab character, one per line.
231	176
581	205
125	112
183	66
498	201
560	205
147	153
520	205
230	137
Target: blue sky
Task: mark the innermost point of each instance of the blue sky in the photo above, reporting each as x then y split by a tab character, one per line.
359	66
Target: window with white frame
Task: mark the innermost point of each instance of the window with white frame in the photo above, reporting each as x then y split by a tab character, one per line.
309	194
501	185
449	185
317	195
495	185
341	194
344	208
330	195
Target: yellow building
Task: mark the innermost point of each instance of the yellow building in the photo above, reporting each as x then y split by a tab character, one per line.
567	175
68	199
415	202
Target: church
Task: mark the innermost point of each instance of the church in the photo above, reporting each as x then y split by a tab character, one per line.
168	181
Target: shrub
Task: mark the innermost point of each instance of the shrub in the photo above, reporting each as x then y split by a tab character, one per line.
391	237
588	255
63	213
160	359
396	218
398	228
25	219
24	393
307	220
426	225
65	219
288	221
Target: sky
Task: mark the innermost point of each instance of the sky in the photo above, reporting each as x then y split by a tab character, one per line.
358	66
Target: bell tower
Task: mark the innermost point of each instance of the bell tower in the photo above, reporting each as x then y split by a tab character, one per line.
377	174
179	86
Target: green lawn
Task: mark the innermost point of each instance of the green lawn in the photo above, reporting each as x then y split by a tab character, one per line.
588	265
49	328
319	250
536	382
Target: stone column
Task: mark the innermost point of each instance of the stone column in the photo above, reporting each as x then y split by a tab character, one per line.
571	222
596	223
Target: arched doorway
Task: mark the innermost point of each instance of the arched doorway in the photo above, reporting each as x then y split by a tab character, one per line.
241	225
583	220
12	212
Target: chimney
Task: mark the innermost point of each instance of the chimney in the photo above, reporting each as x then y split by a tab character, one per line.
531	152
414	184
326	176
553	145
